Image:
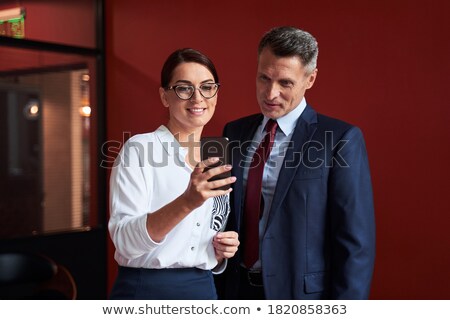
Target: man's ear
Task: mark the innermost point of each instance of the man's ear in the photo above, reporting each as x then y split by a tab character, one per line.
163	96
311	78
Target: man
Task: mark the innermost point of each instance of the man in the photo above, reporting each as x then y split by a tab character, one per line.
310	200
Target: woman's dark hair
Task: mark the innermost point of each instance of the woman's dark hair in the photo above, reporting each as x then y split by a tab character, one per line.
185	55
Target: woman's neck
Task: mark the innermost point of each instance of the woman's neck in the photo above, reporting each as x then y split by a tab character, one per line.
189	139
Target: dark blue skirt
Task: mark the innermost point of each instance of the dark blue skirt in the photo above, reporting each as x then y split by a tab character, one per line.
163	284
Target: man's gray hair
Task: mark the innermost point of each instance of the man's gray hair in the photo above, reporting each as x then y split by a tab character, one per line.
289	41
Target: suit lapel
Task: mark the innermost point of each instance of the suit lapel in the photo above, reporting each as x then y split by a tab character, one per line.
303	132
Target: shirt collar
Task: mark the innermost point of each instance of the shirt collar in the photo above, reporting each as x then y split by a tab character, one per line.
169	143
287	122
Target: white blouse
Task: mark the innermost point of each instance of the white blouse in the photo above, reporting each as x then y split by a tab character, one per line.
149	173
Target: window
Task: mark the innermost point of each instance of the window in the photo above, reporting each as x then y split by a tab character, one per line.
49	127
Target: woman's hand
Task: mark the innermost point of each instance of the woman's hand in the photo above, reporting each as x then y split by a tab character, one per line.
200	189
162	221
225	245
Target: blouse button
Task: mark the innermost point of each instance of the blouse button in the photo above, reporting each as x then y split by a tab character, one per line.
198	224
192	248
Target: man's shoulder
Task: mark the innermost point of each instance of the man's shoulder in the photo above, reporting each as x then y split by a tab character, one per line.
245	120
329	123
326	120
339	128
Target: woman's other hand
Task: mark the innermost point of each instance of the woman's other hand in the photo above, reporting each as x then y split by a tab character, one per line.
225	245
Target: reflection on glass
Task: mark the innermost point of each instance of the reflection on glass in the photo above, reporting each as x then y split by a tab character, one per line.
12	22
45	160
70	22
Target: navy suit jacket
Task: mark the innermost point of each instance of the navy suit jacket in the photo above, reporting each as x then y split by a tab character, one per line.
319	242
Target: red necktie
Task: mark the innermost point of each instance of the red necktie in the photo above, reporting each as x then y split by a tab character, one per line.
252	208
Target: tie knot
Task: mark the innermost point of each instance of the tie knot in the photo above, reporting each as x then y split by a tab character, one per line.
271	126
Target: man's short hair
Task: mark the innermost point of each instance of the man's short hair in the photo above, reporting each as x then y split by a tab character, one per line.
289	41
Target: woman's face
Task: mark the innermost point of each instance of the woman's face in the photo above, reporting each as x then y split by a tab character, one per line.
187	116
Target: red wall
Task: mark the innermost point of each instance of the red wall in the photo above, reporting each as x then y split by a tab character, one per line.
383	65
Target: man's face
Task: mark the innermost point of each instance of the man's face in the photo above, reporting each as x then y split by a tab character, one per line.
281	83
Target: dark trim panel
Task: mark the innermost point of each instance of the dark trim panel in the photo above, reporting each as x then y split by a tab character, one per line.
47	46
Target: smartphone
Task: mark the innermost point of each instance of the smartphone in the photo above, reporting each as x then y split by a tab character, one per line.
216	147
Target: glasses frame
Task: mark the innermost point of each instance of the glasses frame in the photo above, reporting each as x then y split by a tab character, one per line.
174	88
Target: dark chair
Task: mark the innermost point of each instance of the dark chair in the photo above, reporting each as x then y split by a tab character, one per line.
34	276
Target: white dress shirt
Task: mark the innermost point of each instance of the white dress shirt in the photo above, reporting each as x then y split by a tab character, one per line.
285	130
149	173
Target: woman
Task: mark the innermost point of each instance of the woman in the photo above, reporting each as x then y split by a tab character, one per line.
164	212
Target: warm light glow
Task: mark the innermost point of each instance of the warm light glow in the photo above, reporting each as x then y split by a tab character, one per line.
85	111
34	110
31	109
85	77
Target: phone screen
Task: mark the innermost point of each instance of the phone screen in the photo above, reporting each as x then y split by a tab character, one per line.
216	147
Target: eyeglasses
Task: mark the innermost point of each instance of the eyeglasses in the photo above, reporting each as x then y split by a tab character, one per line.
185	92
